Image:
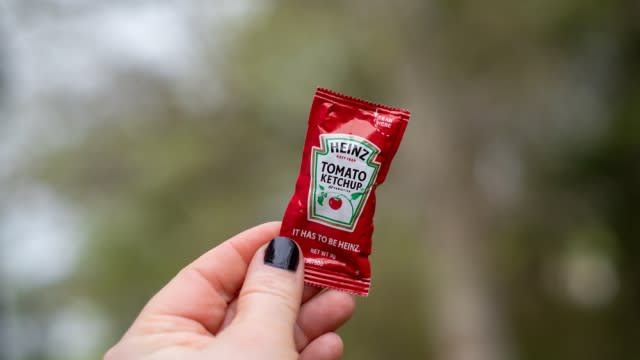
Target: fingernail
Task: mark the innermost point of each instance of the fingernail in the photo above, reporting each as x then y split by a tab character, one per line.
282	253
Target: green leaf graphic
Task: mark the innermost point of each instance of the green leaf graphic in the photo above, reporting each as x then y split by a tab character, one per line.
321	198
356	195
321	187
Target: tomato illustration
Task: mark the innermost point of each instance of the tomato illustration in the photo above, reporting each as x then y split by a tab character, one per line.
335	203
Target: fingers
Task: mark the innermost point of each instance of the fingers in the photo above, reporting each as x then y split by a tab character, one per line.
327	347
322	314
308	293
319	314
202	291
272	291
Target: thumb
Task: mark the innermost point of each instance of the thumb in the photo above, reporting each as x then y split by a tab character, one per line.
272	291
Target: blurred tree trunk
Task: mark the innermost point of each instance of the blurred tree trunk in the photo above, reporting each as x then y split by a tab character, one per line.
457	238
467	326
3	114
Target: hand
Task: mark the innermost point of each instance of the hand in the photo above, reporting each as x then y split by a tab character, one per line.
235	303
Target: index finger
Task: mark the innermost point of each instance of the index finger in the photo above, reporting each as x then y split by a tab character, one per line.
203	289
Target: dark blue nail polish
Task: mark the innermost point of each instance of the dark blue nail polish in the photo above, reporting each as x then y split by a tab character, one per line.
282	253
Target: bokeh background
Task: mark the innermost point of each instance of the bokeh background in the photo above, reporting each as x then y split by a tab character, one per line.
135	135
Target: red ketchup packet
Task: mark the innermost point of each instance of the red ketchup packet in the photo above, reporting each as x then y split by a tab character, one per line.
347	153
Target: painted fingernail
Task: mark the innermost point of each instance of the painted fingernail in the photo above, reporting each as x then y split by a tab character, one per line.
282	253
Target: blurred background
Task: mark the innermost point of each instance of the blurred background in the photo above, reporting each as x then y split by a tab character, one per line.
135	135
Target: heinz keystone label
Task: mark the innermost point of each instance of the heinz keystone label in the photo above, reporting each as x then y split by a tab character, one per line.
344	172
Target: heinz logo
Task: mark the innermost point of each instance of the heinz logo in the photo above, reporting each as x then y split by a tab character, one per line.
349	148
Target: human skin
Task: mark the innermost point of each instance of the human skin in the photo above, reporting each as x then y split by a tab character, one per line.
230	304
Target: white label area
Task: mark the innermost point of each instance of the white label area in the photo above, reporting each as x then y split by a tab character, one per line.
343	172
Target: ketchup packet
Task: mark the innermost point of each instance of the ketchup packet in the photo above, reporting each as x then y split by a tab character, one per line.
347	153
